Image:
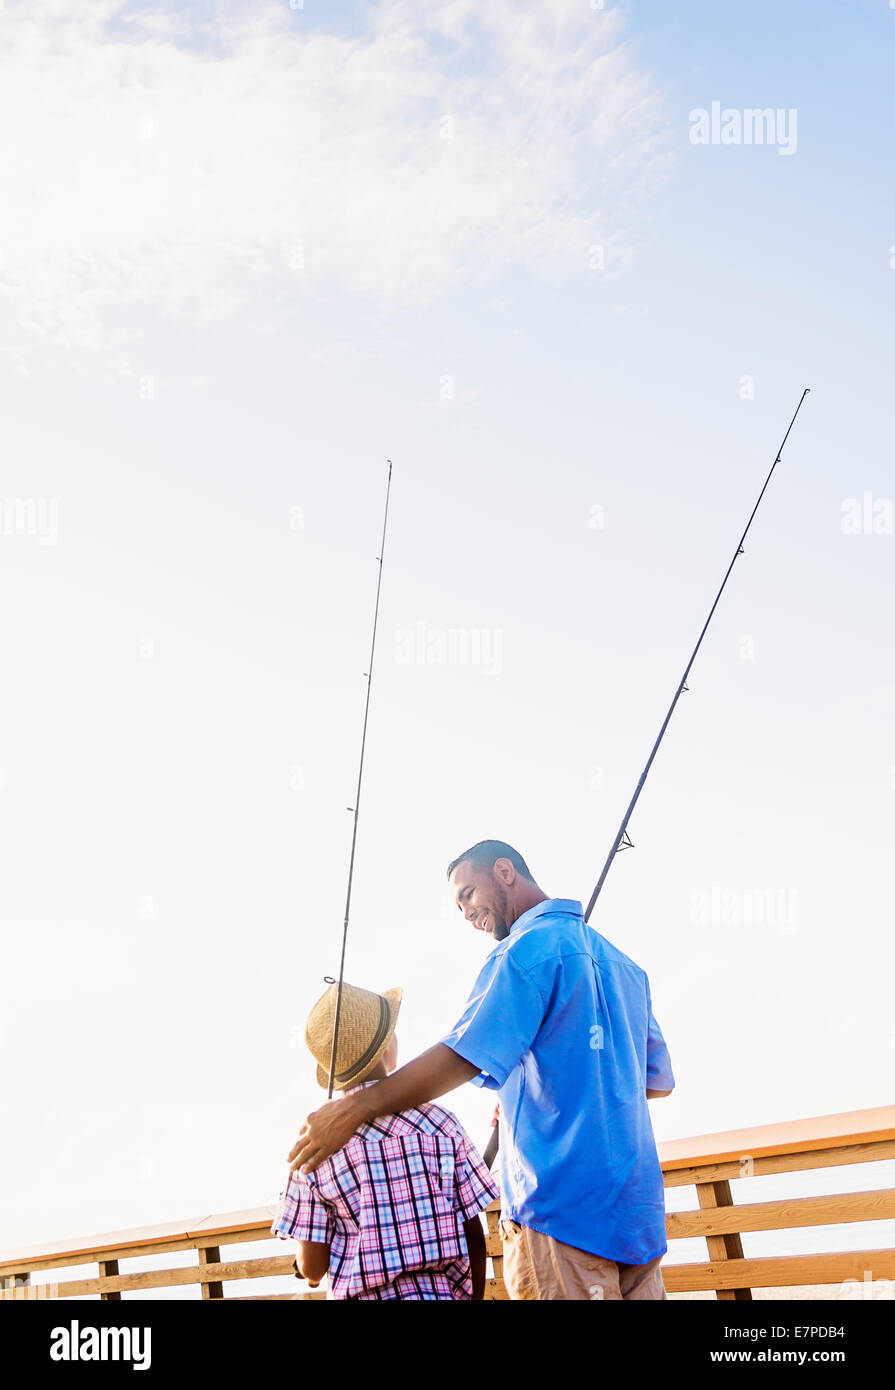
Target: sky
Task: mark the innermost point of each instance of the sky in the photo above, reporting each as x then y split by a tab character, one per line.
250	252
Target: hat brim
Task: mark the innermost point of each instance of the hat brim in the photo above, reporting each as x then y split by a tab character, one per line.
393	999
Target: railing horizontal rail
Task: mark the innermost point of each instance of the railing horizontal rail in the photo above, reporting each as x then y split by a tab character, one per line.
853	1127
147	1240
275	1297
131	1252
783	1215
780	1271
174	1278
748	1166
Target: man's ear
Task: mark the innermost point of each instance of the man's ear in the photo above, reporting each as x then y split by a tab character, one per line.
505	871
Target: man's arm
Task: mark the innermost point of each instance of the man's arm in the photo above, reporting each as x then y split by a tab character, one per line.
475	1244
658	1062
428	1076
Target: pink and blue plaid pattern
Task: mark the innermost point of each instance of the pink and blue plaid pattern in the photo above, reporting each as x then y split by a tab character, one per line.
391	1206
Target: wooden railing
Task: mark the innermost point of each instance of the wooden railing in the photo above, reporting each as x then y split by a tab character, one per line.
708	1164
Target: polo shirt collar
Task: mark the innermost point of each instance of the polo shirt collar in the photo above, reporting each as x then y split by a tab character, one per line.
361	1086
554	906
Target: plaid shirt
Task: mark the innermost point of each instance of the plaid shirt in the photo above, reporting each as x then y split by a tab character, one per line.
391	1206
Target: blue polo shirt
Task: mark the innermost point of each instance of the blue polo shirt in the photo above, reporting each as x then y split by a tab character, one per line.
560	1024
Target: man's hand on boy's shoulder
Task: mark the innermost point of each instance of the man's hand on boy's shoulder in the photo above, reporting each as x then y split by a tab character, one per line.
435	1071
324	1132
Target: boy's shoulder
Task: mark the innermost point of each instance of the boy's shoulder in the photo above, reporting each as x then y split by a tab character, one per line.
425	1128
427	1118
445	1121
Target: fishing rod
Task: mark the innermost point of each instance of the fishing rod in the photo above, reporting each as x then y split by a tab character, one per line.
622	840
356	807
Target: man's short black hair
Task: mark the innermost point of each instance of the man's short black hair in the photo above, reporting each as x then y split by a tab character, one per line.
486	852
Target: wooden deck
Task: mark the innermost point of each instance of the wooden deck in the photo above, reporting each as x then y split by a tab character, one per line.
707	1163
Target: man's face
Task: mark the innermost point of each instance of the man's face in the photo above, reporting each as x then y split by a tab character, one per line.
482	898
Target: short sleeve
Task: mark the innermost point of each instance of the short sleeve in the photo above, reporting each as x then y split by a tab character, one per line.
303	1214
500	1022
475	1188
659	1076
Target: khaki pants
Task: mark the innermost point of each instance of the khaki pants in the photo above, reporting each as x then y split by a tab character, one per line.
536	1266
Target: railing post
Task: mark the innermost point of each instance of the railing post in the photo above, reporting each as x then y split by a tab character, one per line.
726	1247
107	1269
16	1282
211	1255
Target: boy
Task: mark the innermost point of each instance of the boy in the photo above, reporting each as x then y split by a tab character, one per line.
394	1214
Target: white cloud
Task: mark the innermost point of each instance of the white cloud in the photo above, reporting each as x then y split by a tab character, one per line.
146	164
330	354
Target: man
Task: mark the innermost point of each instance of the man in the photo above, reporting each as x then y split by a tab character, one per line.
560	1024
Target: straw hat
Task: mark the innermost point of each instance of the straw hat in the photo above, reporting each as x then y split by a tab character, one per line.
366	1024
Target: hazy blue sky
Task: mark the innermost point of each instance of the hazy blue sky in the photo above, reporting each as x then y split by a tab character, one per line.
249	252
